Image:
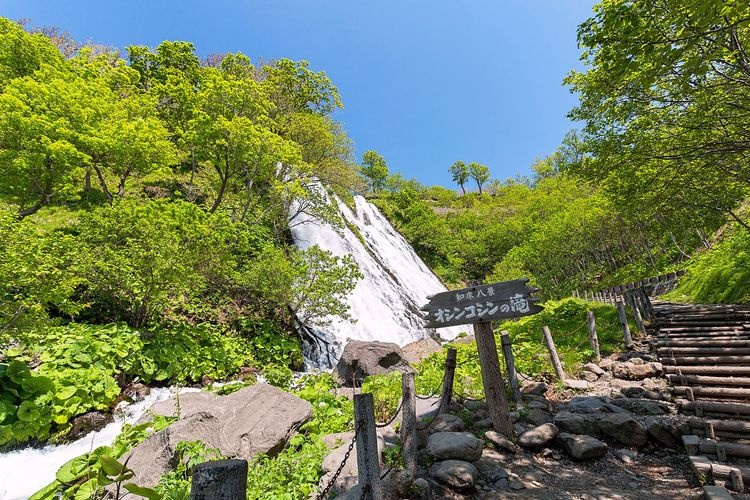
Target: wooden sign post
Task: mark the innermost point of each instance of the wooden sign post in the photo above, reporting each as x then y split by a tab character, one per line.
480	305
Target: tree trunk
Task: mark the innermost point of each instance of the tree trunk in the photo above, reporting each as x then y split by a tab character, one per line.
121	185
103	184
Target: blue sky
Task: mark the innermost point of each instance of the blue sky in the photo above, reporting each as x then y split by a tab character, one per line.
423	82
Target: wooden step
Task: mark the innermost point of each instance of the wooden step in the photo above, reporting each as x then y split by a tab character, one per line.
743	335
707	360
720	425
686	380
703	329
707	470
737	393
731	371
702	351
725	408
701	342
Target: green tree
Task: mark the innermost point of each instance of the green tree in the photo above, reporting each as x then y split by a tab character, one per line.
479	173
460	173
23	53
374	169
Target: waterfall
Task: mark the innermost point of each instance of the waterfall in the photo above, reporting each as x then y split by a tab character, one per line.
386	302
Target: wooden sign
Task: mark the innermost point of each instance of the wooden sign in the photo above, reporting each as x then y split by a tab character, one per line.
481	303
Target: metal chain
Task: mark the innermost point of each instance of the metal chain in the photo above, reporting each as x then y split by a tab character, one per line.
398	409
437	392
324	491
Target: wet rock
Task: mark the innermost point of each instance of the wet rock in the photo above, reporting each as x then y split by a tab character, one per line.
577	423
362	359
457	474
501	441
454	445
538	436
420	349
623	428
137	391
89	422
446	423
581	447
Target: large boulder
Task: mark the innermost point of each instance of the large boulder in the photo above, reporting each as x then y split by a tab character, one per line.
362	359
538	436
257	419
623	428
631	370
581	447
454	445
576	423
420	349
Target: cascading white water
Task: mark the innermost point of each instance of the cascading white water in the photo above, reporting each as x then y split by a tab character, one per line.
386	303
25	471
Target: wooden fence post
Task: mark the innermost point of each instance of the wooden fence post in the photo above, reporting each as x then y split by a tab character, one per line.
368	461
492	379
593	339
409	423
553	353
636	312
219	480
624	323
447	392
585	295
510	365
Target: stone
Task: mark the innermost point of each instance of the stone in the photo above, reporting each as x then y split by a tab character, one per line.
89	422
467	339
516	485
576	423
538	436
337	439
590	376
485	423
581	446
541	405
446	423
350	471
136	391
455	473
501	441
420	349
421	489
534	387
625	455
362	359
623	428
475	404
632	391
588	404
631	371
662	431
593	368
454	445
641	406
256	419
492	466
607	363
580	385
535	416
427	407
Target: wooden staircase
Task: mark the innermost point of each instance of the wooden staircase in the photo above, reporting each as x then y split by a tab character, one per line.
705	350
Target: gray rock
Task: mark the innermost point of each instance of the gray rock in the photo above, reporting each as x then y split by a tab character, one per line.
421	489
541	405
576	423
625	455
501	441
516	485
641	406
538	436
474	405
623	428
588	404
337	439
632	391
572	383
362	359
593	368
632	371
89	422
662	431
420	349
257	419
590	376
350	471
535	416
492	466
427	407
446	423
455	473
454	445
485	423
581	447
534	387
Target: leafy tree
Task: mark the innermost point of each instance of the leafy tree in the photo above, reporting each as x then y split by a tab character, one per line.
460	173
23	53
374	169
665	103
479	173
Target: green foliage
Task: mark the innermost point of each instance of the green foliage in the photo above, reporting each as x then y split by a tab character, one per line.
718	275
175	484
375	170
279	376
386	393
480	173
460	173
467	381
331	413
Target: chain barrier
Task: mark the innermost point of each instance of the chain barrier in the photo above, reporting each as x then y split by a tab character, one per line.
398	409
436	393
324	491
398	458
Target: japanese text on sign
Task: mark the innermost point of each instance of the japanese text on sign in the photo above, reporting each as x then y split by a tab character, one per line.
517	304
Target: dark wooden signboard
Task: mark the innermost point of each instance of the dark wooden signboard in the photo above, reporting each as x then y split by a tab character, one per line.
481	303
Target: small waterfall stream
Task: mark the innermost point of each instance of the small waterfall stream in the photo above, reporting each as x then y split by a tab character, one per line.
386	302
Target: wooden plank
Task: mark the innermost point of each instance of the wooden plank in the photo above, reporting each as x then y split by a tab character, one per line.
733	371
624	325
593	338
409	424
706	380
697	360
447	392
717	392
712	406
510	365
492	380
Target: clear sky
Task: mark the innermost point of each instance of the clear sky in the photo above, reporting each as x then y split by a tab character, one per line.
424	82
